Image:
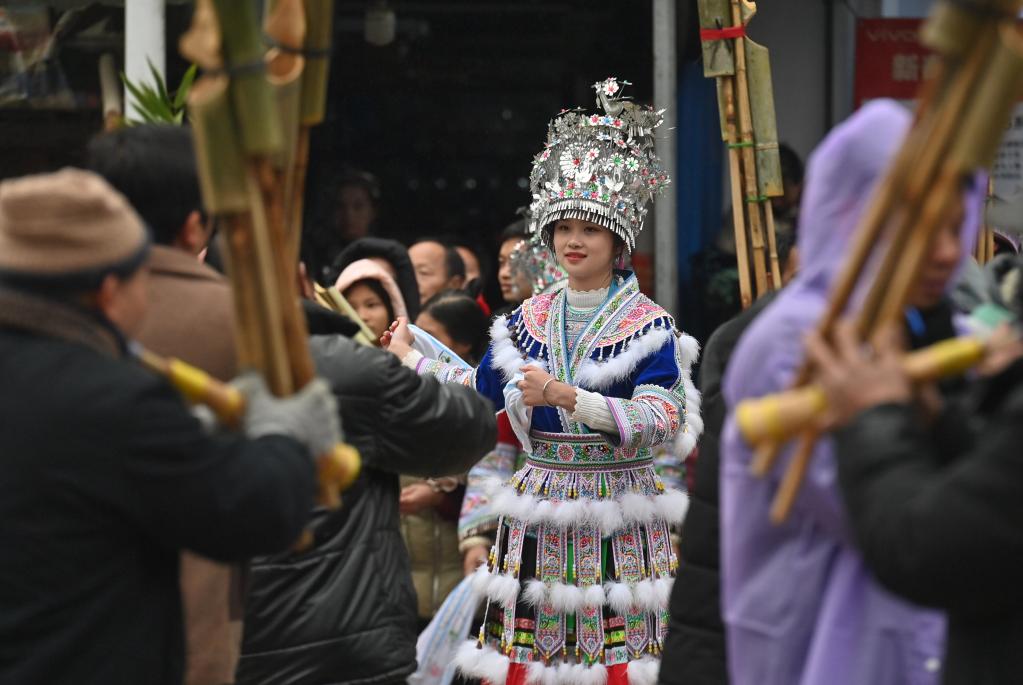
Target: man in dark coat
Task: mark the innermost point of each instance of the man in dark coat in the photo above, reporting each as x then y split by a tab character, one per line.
104	474
189	316
937	506
345	611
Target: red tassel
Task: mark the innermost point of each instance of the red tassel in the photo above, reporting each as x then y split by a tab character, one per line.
618	674
707	35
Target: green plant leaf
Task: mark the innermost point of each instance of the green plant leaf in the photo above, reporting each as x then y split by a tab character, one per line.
184	87
158	79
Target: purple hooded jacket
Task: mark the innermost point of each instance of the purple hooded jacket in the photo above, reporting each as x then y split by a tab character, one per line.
799	605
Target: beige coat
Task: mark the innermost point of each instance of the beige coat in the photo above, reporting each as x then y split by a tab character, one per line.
190	317
436	562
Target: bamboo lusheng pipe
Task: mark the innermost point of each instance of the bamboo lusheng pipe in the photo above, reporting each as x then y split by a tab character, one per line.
271	329
319	31
975	109
780	416
197	386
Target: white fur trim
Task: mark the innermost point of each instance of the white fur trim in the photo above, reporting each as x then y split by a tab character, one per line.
602	375
503	588
608	515
672	505
644	671
481	581
506	358
689	350
486	663
566	598
685	443
662	588
644	596
535	592
594	596
534	672
638	508
619	597
593	675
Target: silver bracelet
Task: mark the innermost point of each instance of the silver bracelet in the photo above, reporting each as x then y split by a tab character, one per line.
543	393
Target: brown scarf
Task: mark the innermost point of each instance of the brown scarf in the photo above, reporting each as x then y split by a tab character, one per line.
52	319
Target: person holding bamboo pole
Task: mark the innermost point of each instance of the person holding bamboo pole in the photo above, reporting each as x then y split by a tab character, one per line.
799	604
936	506
105	475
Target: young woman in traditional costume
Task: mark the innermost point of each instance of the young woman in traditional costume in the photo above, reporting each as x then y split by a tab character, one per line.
593	376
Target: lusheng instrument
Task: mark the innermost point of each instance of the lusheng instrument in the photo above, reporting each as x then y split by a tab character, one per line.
746	104
964	106
245	112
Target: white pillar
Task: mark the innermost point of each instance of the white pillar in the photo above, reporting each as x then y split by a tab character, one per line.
144	39
665	214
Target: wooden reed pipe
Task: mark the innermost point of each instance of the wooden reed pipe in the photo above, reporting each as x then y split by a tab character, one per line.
197	386
778	417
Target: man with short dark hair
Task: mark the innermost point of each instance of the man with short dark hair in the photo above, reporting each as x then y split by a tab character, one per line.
190	316
438	267
104	474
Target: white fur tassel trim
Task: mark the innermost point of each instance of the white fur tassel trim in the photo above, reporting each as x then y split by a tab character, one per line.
672	505
689	350
619	597
594	375
481	581
644	671
535	592
506	358
486	663
565	674
648	595
503	588
608	515
594	596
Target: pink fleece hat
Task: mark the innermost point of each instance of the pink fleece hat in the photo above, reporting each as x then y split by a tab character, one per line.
367	268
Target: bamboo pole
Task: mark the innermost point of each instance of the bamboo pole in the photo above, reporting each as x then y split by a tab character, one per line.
727	84
749	176
772	246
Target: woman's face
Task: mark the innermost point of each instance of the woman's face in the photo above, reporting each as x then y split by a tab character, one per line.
437	330
514	287
355	212
370	308
585	250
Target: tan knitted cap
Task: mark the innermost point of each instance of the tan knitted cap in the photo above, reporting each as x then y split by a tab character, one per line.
67	223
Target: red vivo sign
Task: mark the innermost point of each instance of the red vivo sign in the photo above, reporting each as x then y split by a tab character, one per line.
890	61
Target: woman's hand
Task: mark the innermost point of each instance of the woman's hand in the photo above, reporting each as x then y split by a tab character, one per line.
558	394
418	497
474	557
854	379
398	339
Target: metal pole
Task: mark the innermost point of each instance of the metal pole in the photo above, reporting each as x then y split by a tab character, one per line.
144	39
666	98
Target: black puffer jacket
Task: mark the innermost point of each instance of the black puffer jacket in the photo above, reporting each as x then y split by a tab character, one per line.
345	612
937	514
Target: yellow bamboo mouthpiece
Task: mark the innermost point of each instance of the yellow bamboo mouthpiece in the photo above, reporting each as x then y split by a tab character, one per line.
336	471
776	418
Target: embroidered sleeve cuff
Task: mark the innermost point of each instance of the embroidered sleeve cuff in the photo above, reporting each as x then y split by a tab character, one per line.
591	408
412	359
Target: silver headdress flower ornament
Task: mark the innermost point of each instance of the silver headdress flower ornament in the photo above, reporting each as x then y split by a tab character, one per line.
598	167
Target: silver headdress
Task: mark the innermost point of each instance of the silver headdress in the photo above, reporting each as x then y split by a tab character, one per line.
532	258
599	167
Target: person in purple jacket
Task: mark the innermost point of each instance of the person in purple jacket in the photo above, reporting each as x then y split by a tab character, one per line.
800	606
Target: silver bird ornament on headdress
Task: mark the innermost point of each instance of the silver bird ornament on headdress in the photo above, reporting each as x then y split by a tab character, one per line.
599	167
